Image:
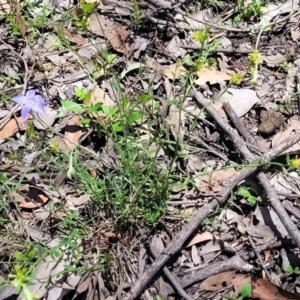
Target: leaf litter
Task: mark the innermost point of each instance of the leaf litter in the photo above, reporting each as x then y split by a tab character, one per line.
107	172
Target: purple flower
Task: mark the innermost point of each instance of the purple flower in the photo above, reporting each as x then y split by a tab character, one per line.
30	101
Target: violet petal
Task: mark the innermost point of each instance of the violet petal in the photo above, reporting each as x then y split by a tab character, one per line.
20	99
39	108
25	111
30	93
39	99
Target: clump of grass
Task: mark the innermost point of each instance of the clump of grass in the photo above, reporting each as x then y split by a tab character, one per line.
246	11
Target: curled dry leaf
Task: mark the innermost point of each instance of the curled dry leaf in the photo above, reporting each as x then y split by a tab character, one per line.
80	200
217	282
19	20
30	197
174	71
211	76
202	237
73	132
115	33
280	136
12	127
262	289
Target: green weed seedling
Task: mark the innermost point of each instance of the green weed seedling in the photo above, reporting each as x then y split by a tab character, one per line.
289	269
202	58
23	272
245	292
83	12
82	94
137	15
245	193
253	9
286	66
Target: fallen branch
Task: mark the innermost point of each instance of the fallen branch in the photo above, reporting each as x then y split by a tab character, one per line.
233	263
201	214
177	286
241	146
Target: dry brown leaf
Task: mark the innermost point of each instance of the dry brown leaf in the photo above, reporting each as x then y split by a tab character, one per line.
80	200
115	33
74	38
99	96
262	289
174	71
217	282
32	197
217	180
19	20
4	7
280	136
73	132
211	76
12	127
176	120
274	60
59	142
201	237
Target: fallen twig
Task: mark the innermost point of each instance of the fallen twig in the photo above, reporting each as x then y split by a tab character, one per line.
235	262
201	214
241	146
172	279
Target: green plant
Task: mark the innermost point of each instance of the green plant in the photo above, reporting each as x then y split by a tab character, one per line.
23	272
288	268
253	9
286	65
137	14
245	292
202	57
83	12
245	193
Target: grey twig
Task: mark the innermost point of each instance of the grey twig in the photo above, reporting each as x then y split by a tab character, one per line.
240	145
200	215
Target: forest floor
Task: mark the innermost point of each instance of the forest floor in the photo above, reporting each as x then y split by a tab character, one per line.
148	149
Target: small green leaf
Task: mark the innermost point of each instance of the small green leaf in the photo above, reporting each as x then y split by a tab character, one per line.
135	116
80	92
117	127
244	192
107	110
131	67
31	254
297	271
144	98
288	268
72	106
251	199
85	122
246	290
19	256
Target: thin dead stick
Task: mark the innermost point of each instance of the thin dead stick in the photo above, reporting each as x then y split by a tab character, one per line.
201	214
238	123
233	263
260	260
242	148
172	279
